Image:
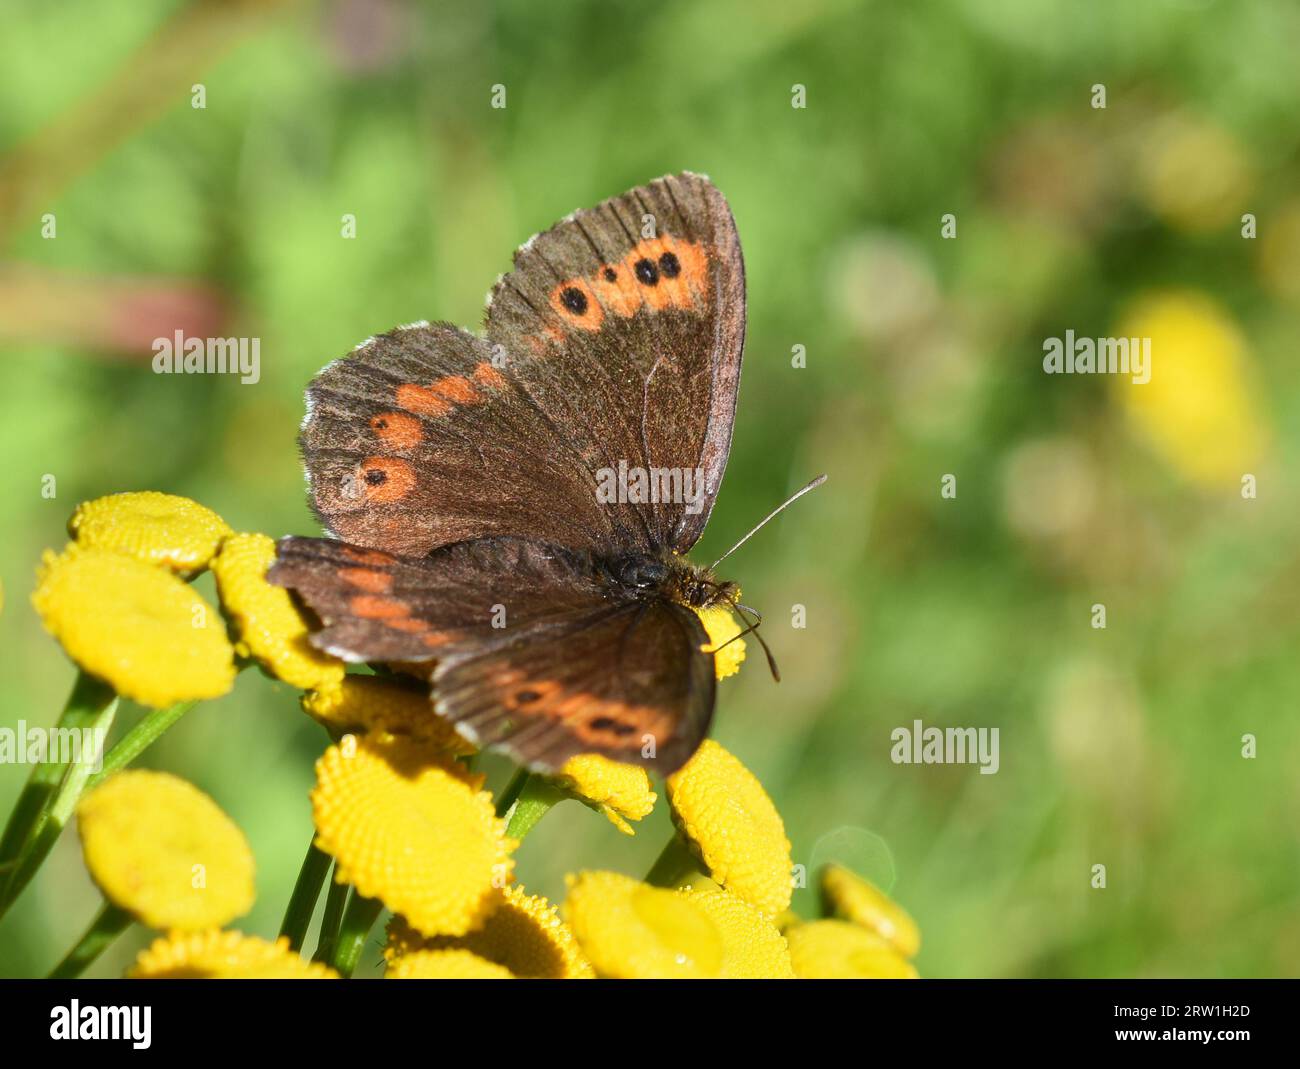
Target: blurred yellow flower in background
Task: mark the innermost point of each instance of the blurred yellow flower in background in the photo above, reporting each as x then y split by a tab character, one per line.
376	703
620	791
410	827
630	930
837	950
270	627
1201	409
1193	173
162	850
217	955
724	813
156	528
524	935
849	897
1279	253
137	627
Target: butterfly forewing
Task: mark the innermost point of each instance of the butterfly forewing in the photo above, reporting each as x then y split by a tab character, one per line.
627	323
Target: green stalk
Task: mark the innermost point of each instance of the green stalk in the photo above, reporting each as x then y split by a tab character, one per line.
676	866
306	892
329	925
354	931
535	799
88	698
47	802
131	745
108	924
511	791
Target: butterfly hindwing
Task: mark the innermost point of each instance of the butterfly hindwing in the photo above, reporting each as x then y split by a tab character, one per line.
532	655
631	684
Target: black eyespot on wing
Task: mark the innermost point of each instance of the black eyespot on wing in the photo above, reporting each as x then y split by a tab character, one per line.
376	476
606	723
669	265
611	275
574	300
647	273
527	697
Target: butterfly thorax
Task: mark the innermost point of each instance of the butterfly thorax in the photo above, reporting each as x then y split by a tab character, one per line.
670	577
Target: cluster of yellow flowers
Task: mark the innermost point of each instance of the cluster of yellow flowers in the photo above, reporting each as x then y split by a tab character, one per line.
399	808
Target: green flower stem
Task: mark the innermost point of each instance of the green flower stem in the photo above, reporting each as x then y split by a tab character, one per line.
89	696
511	791
140	738
354	931
306	892
329	925
536	797
108	924
677	865
52	791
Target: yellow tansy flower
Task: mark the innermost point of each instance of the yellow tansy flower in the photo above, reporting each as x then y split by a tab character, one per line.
731	823
620	791
1199	409
722	626
215	955
451	964
270	627
156	528
630	930
523	935
374	703
146	633
162	850
837	950
752	948
410	827
861	902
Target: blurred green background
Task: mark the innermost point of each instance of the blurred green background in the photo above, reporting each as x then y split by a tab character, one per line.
1120	747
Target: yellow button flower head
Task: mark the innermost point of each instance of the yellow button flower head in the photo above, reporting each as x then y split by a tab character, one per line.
451	964
270	627
722	627
731	823
412	828
161	529
837	950
620	791
524	935
375	703
631	931
861	902
1199	409
162	850
752	948
214	955
140	629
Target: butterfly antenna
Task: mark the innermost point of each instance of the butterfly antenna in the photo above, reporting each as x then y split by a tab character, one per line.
753	627
769	517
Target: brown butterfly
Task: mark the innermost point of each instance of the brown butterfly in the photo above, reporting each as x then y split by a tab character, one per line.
514	507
